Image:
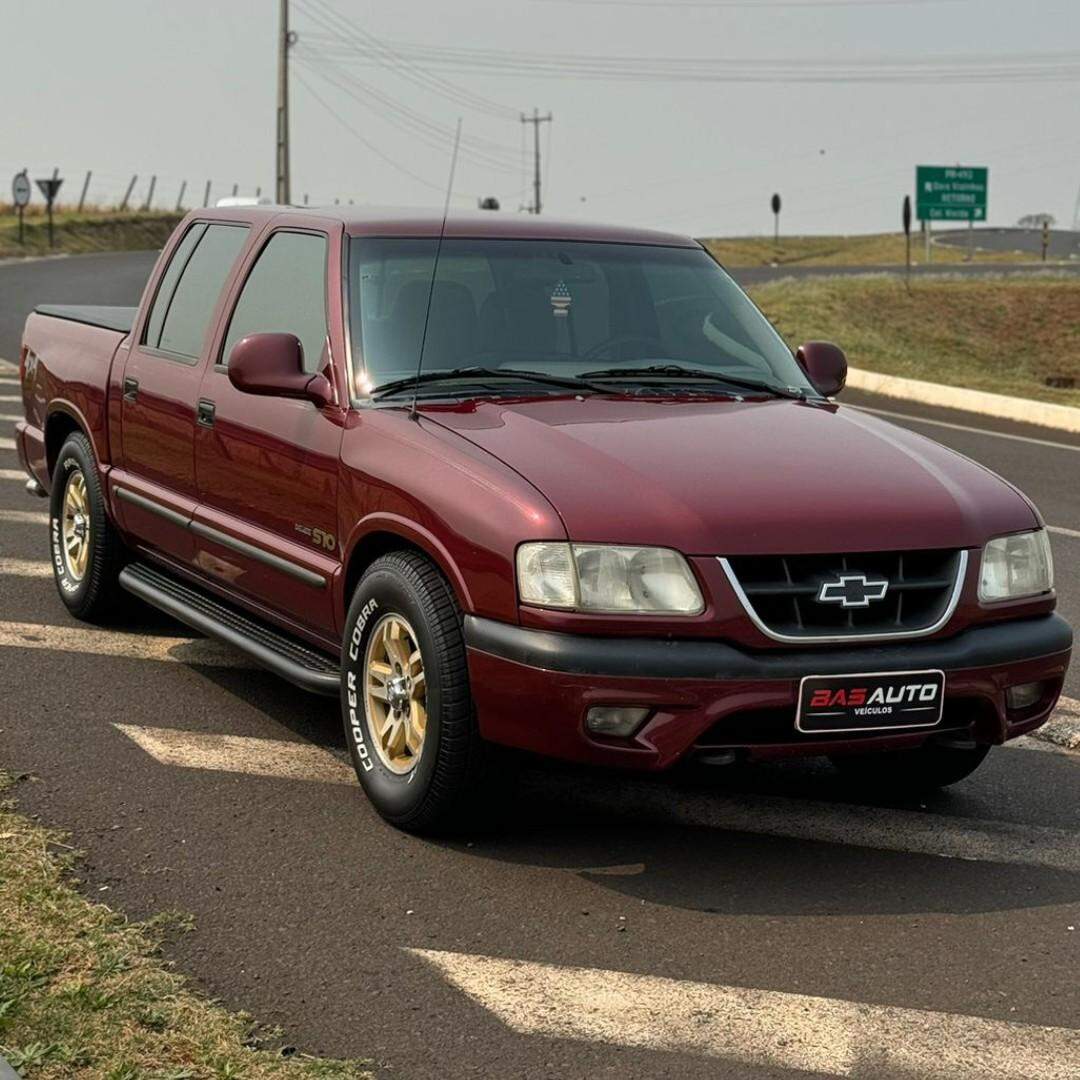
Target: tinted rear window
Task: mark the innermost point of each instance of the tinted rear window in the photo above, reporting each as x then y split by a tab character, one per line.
192	303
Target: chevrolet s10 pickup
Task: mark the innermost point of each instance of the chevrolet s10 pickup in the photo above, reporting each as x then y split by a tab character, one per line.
504	480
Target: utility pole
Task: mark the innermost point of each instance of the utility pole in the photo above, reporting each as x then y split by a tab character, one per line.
285	39
536	120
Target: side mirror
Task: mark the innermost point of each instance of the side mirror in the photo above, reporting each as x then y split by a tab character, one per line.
273	365
825	366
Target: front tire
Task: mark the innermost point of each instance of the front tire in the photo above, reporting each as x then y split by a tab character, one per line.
87	553
925	769
408	712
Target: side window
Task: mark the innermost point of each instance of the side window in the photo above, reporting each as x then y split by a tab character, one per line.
152	335
192	303
285	293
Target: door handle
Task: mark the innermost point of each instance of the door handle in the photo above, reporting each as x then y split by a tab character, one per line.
204	414
131	389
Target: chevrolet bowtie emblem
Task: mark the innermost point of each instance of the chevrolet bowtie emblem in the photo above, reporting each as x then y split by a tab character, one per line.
852	590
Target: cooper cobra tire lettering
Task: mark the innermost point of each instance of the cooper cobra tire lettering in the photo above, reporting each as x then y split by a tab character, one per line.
356	726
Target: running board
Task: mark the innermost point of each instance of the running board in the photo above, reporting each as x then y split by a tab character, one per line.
278	652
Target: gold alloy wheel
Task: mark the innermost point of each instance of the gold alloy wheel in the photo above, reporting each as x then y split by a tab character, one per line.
76	525
395	700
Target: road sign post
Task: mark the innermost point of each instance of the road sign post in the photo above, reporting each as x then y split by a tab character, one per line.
776	223
906	217
20	196
49	187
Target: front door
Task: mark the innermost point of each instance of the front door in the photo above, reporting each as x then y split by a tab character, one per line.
267	467
155	480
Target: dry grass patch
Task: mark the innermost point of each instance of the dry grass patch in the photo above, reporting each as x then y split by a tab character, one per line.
84	993
1005	335
80	234
871	249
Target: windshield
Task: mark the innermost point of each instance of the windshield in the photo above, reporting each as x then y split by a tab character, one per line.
558	308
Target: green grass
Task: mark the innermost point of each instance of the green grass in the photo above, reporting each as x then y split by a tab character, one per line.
1001	334
86	994
78	234
872	249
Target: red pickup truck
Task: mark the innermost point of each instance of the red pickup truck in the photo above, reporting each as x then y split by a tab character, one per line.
554	486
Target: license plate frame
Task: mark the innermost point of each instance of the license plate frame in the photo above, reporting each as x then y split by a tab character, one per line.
901	715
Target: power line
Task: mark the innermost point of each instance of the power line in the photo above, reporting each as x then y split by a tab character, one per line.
364	141
720	4
963	68
419	126
342	27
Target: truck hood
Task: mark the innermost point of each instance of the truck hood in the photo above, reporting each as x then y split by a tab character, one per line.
711	477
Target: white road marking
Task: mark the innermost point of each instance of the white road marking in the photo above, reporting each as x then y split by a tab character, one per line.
5	382
240	754
24	568
13	474
13	417
7	444
76	639
10	397
764	1028
1060	531
965	427
8	366
24	517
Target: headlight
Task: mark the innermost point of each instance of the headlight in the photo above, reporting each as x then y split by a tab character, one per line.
1017	565
607	578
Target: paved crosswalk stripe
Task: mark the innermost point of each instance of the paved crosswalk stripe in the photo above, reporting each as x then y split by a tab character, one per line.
7	365
10	397
13	417
25	568
7	444
240	754
853	825
24	517
13	474
764	1028
801	819
76	639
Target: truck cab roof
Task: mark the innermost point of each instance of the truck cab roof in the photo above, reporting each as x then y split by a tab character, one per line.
412	222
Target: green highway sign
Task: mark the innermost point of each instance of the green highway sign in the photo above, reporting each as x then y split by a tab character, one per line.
951	192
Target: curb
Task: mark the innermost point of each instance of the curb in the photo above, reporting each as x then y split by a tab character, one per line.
1063	728
1021	410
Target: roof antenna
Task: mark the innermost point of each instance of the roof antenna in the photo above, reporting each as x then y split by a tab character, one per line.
434	270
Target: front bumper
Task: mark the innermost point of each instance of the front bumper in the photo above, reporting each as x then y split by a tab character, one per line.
533	688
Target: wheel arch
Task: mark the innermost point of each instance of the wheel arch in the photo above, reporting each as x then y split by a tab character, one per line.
382	533
62	422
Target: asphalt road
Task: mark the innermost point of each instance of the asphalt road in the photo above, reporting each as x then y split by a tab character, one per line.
711	924
1064	243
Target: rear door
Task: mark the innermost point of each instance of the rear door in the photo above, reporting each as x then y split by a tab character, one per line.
267	467
155	483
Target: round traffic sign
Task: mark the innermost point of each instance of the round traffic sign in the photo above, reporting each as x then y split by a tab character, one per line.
20	189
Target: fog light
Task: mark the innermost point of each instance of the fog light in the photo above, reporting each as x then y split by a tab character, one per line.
617	720
1023	696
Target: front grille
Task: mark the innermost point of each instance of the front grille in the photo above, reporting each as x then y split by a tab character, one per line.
782	593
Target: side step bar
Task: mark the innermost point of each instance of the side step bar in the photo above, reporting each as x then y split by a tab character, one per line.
283	655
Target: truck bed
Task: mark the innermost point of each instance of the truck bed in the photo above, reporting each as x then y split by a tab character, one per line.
107	318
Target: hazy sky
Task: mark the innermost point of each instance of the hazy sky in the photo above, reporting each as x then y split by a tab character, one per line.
186	90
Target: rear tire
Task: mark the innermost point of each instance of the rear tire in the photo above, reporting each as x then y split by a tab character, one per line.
925	769
87	552
409	719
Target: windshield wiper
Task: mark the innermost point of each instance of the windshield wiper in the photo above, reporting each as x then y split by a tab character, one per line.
571	382
677	371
